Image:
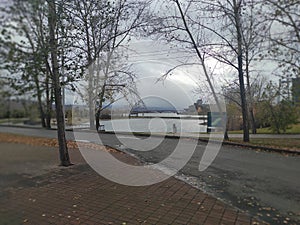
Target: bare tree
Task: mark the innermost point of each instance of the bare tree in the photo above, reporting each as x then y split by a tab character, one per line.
25	52
232	95
52	22
284	35
229	48
114	80
230	31
212	29
237	20
32	55
103	26
253	29
201	57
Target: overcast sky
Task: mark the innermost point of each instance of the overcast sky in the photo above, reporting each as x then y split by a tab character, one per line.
151	59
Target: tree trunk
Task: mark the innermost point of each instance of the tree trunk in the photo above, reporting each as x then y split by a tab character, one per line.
251	113
226	137
237	8
42	114
40	103
101	94
97	117
203	65
91	98
90	79
99	108
49	100
63	149
253	122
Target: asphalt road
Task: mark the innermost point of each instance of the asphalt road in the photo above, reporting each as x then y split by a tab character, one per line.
263	183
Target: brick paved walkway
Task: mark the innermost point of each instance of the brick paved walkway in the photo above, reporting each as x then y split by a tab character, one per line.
78	195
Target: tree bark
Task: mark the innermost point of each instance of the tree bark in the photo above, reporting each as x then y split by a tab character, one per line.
63	149
246	137
99	108
91	98
49	100
40	103
250	100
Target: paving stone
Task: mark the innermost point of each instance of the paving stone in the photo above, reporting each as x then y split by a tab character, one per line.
78	195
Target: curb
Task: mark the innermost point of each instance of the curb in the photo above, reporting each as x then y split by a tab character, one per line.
19	126
255	147
264	148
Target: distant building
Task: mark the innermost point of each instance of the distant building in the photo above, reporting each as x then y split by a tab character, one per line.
152	105
296	90
198	108
201	108
191	110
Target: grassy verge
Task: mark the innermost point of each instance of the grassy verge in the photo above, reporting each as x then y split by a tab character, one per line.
294	129
13	120
280	143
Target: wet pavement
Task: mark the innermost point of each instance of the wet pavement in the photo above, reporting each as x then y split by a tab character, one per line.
34	190
263	183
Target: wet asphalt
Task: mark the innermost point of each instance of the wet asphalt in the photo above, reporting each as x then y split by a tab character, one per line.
265	184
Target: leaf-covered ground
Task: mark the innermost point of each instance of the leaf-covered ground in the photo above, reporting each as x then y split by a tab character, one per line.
38	141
